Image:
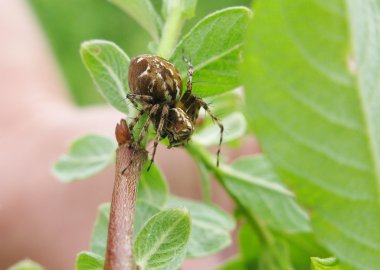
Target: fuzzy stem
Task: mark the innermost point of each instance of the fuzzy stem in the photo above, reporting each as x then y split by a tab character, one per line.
170	33
129	163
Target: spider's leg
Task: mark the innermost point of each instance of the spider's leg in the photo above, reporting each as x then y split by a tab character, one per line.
153	111
142	98
190	72
207	109
163	118
137	118
144	130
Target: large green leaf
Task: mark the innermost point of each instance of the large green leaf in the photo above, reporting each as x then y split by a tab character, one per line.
86	157
312	91
163	240
214	47
210	227
255	185
108	67
144	13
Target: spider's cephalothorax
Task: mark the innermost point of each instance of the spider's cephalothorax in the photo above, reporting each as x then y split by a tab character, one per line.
156	85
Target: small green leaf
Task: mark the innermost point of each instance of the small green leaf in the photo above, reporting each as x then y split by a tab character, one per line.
26	265
324	264
210	227
144	211
163	239
100	231
233	264
254	183
144	13
89	261
87	156
205	183
108	67
235	127
213	47
152	187
177	262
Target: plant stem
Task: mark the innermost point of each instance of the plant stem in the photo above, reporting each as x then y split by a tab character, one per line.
170	33
200	154
129	163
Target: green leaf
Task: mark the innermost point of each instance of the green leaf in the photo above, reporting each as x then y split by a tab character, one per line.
233	264
100	231
312	90
214	46
234	128
144	13
253	181
144	211
163	239
89	261
324	264
152	187
87	156
26	265
249	246
210	227
205	183
108	67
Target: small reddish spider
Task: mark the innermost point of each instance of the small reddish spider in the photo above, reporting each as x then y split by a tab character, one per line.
156	85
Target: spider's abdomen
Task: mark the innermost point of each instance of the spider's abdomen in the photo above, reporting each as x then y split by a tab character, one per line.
156	77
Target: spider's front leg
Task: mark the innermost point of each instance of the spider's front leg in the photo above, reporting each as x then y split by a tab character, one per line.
204	105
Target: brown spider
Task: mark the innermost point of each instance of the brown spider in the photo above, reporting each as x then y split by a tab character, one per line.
156	85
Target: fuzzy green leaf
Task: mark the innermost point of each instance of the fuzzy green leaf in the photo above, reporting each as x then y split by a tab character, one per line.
89	261
312	88
253	181
163	239
234	128
108	67
210	227
86	157
214	46
144	13
26	265
324	264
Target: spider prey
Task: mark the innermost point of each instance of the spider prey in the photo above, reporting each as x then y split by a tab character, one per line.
156	85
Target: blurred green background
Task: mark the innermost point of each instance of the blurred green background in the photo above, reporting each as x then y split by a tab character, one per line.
67	23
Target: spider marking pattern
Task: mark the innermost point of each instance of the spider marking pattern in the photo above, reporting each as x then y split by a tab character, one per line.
156	85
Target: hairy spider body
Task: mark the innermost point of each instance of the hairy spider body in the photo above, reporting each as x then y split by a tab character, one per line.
156	85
